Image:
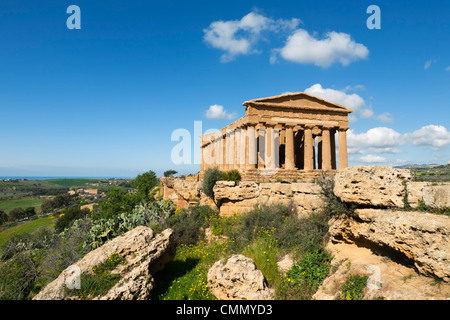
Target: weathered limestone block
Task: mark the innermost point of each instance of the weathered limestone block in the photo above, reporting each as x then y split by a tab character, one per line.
307	203
244	196
307	197
388	279
188	189
238	279
372	185
229	208
421	238
432	194
145	254
306	188
229	190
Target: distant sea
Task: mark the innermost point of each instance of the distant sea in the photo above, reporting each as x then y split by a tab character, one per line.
48	178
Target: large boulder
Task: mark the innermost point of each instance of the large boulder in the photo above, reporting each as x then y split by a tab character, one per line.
416	238
379	186
145	253
235	192
434	195
387	279
238	279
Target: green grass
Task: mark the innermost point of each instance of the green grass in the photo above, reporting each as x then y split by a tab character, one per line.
185	278
353	288
26	227
8	205
101	280
69	183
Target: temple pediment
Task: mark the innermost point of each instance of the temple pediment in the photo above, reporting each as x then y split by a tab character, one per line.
299	100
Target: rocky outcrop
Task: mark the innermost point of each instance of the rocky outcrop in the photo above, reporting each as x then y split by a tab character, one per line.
244	196
416	238
402	252
433	195
145	254
238	279
387	279
380	186
184	192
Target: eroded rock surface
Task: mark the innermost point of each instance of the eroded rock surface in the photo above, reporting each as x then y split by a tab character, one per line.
145	254
379	186
238	279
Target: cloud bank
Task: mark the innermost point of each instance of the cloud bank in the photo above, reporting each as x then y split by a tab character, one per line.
217	112
240	37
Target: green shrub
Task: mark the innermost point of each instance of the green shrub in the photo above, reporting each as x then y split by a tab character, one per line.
118	201
264	250
232	175
290	231
210	177
306	276
18	275
353	288
69	216
156	212
144	183
185	277
188	225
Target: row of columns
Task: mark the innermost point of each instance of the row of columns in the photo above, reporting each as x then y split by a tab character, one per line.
238	148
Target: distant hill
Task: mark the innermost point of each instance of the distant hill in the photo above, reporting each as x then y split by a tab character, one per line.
429	172
413	165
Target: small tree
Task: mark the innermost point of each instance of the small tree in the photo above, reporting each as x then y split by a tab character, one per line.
210	177
118	201
70	215
170	173
3	217
16	214
30	211
47	206
145	182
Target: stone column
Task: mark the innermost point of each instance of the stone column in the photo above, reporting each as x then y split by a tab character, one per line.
289	148
230	150
270	146
223	158
326	149
333	149
309	149
202	157
342	145
236	149
242	148
261	147
252	162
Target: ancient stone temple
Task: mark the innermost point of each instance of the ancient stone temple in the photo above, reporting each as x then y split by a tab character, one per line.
289	136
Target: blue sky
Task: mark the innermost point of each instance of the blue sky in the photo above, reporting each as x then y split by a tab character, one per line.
104	100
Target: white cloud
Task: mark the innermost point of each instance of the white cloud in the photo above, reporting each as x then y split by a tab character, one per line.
336	47
382	140
434	136
428	63
370	158
238	37
447	69
217	112
350	100
378	140
385	117
354	88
